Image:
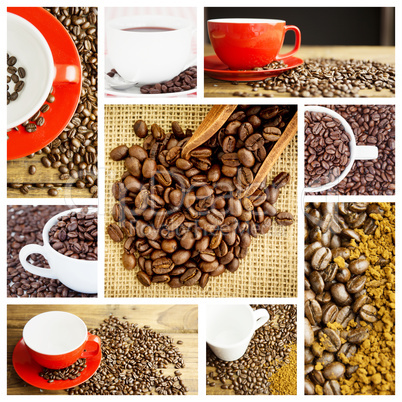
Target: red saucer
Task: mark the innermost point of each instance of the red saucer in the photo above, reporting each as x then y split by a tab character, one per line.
21	143
29	370
215	68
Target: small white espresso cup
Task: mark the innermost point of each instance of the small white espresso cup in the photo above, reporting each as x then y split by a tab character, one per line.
149	57
78	275
28	45
231	327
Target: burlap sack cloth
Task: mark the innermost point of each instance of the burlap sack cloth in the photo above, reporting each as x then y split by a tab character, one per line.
270	268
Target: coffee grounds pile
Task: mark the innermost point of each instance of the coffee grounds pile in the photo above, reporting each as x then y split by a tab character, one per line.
133	362
267	353
24	226
69	373
76	235
328	78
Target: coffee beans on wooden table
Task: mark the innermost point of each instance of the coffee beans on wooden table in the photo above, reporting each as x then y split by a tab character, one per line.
326	149
185	218
328	78
76	235
15	78
371	125
76	148
69	373
133	362
24	226
256	372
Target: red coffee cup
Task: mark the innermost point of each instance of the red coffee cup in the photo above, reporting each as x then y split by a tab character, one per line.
57	339
243	44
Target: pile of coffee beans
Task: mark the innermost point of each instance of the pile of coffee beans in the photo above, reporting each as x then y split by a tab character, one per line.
329	78
185	81
275	65
15	76
371	125
69	373
267	352
74	152
24	226
185	217
76	235
133	360
326	149
338	310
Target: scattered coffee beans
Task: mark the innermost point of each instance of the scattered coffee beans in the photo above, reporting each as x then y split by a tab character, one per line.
185	217
338	311
15	80
371	125
267	353
326	149
69	373
275	65
76	235
329	78
76	147
133	360
24	226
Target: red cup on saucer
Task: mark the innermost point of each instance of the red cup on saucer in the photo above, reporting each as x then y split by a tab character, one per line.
243	44
57	339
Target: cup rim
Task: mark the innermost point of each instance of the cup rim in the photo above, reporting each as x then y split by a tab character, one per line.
165	20
238	343
246	21
82	324
16	19
352	147
51	222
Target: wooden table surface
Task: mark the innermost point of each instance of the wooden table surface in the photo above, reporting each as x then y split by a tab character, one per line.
178	321
384	54
17	172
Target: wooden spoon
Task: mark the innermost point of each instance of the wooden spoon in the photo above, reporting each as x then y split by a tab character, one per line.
213	121
272	156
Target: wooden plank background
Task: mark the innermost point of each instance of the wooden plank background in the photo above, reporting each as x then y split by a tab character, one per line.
178	321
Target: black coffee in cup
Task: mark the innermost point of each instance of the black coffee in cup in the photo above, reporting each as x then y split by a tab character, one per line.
148	29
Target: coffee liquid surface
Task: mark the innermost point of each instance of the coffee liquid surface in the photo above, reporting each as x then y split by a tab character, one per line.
148	29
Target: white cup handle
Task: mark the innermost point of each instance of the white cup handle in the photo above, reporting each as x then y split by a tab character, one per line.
25	252
261	316
364	153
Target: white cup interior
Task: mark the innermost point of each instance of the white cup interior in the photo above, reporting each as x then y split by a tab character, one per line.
228	325
148	21
352	147
54	333
27	44
246	21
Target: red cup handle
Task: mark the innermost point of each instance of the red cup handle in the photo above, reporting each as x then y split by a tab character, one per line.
67	73
297	41
92	347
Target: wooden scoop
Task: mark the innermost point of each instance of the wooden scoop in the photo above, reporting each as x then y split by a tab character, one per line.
213	121
273	156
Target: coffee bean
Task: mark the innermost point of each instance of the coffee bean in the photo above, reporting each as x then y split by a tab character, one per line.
32	170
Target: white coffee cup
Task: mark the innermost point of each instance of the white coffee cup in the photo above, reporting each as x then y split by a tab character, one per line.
28	45
149	57
78	275
357	152
57	339
231	327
